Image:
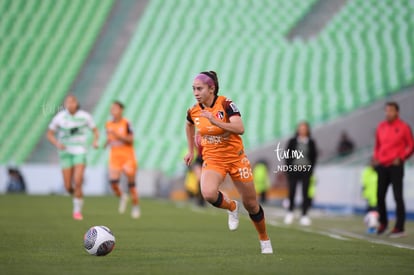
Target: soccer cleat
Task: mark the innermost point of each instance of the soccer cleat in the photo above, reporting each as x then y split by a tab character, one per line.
266	247
397	233
234	217
305	221
77	216
136	212
289	218
123	201
381	229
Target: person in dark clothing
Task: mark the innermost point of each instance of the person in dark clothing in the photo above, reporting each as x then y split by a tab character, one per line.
394	144
16	183
345	145
302	155
195	167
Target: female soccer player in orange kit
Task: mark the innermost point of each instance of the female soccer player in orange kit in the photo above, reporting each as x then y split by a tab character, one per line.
219	123
122	158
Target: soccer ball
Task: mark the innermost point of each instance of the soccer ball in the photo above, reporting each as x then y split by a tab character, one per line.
99	240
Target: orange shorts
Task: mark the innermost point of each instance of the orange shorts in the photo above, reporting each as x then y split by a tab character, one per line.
127	164
239	170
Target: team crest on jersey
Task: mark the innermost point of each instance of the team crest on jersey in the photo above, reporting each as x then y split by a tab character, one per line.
220	115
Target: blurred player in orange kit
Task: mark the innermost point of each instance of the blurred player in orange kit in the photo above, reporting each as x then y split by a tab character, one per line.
122	158
219	123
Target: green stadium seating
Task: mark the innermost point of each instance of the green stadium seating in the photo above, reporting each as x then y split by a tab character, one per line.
363	54
175	40
44	43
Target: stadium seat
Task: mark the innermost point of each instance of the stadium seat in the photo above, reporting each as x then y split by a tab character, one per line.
363	54
276	83
45	44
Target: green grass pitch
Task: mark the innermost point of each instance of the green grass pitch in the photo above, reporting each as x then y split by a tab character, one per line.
38	236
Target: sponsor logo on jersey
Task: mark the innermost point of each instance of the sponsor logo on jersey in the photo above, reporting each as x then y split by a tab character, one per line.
211	140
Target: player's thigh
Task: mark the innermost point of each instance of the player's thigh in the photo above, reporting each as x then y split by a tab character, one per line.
114	174
67	174
240	170
242	176
66	160
210	182
129	168
78	172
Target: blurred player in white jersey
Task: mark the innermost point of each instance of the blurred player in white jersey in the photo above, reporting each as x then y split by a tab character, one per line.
68	132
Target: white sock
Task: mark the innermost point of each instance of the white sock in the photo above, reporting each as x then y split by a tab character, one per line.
77	205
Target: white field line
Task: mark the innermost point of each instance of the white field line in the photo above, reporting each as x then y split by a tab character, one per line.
309	230
337	234
372	240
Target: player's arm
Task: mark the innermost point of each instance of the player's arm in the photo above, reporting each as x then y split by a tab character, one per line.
235	124
92	125
189	131
95	137
128	138
52	139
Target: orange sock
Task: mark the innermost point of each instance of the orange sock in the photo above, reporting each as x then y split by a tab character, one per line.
224	202
115	187
134	193
261	229
260	224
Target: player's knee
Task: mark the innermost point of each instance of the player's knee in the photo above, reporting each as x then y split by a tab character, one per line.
69	189
78	184
251	205
209	196
114	181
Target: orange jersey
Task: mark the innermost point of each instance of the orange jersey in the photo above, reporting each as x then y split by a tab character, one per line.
217	143
119	147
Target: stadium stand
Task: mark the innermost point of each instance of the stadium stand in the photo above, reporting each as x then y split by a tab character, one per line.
362	55
43	46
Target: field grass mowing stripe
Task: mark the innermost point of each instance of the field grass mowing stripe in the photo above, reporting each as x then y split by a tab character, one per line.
372	240
308	230
274	223
344	235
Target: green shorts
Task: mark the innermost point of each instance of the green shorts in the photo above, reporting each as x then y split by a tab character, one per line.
68	160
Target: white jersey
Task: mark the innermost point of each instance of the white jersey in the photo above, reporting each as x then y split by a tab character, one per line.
72	130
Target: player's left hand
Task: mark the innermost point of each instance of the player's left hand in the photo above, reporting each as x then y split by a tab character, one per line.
207	115
95	144
188	158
